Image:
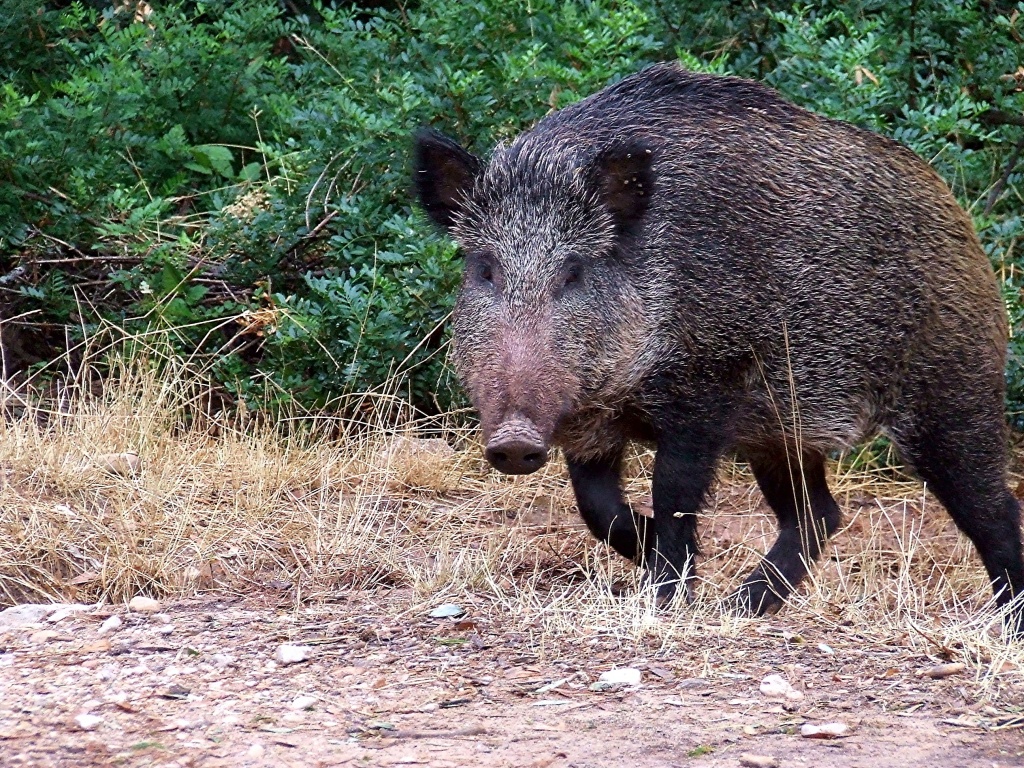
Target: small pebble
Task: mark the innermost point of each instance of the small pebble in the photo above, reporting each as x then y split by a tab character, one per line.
20	615
303	702
127	463
43	636
112	624
88	722
144	604
255	752
616	678
292	654
447	611
777	687
162	618
758	761
827	731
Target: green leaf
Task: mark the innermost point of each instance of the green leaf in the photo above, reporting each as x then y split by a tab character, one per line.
251	172
214	157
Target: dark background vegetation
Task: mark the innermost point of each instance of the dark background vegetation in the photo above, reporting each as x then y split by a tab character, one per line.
235	174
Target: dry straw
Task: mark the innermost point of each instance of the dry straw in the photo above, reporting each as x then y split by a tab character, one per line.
322	504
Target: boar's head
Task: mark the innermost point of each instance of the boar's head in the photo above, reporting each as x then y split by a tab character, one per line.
547	311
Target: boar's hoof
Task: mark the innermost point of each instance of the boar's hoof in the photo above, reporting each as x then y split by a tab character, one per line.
516	449
666	590
755	598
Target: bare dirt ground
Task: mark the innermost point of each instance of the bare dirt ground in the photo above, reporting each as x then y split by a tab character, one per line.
342	543
384	686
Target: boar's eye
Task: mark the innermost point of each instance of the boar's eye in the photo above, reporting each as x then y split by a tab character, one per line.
572	272
482	269
484	272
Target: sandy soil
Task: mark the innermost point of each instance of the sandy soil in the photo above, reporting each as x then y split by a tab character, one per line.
197	685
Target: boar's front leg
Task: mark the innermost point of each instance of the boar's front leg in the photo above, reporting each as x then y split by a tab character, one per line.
796	489
596	484
684	469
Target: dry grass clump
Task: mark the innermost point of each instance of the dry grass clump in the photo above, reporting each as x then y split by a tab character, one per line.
318	505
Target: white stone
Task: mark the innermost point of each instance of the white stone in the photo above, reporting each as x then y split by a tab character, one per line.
127	463
447	611
22	615
292	654
255	752
827	731
615	678
303	702
112	624
777	687
144	604
222	660
88	722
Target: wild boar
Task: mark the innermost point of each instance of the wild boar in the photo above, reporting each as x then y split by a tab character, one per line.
692	261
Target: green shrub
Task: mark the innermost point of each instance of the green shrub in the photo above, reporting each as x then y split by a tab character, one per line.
178	168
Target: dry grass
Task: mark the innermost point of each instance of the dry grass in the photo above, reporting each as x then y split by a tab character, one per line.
326	505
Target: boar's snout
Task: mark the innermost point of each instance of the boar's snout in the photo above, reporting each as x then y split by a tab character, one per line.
516	448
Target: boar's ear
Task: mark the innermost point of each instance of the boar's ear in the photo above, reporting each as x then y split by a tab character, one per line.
625	177
443	173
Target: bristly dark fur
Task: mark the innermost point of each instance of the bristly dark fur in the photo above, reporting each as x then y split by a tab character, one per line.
691	260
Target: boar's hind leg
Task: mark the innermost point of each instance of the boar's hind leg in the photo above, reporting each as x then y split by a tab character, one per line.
606	513
796	491
962	460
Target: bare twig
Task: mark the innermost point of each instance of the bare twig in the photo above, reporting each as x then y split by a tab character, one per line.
459	734
1011	165
1000	117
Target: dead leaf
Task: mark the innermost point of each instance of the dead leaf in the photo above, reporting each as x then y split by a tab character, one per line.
97	646
663	672
83	578
175	692
945	670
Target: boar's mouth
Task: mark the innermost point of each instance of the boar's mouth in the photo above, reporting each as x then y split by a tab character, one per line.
516	447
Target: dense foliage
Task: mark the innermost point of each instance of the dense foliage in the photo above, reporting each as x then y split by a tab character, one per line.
240	173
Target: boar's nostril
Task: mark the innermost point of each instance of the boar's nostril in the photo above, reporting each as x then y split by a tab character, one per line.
517	459
516	453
